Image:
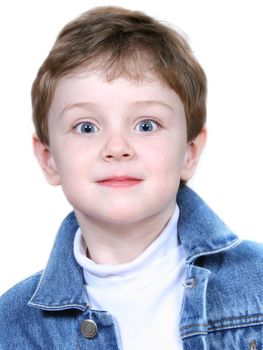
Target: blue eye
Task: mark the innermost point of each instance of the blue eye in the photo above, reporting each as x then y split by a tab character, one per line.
147	125
86	128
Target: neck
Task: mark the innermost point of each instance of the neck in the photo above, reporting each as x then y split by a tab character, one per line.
110	243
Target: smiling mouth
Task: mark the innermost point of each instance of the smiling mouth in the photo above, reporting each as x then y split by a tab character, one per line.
120	182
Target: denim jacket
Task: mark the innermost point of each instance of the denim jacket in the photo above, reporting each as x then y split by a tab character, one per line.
223	295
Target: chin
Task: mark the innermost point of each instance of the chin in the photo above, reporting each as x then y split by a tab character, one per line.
122	218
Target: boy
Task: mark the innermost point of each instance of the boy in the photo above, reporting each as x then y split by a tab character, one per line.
142	262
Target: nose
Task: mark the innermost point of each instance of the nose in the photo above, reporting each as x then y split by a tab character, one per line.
117	147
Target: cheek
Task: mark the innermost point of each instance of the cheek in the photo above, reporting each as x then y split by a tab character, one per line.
73	153
165	158
73	161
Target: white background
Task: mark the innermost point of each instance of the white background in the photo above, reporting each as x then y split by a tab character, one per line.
226	37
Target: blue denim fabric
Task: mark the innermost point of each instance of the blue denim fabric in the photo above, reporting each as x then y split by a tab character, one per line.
222	306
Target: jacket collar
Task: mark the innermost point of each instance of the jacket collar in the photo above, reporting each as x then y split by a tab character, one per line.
200	230
61	286
61	283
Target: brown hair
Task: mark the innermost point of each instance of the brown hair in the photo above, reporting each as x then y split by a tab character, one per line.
119	42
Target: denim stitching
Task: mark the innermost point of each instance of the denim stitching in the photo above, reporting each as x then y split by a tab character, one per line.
235	325
235	318
195	325
221	320
59	307
220	328
193	333
210	330
39	284
232	244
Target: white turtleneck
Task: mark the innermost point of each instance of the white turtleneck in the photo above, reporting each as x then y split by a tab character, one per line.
143	296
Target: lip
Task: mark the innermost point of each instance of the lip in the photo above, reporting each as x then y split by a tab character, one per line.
119	181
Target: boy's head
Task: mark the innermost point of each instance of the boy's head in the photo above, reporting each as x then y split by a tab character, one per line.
119	110
119	42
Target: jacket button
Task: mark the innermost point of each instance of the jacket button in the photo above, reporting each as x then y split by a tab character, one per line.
88	329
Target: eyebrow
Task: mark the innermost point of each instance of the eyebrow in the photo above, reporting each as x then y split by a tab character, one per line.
86	105
79	105
154	102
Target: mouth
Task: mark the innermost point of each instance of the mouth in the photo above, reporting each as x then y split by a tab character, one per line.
120	182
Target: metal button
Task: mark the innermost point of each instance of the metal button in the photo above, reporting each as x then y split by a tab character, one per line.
190	283
88	329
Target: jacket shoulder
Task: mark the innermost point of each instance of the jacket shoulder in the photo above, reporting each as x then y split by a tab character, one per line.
13	303
248	254
235	285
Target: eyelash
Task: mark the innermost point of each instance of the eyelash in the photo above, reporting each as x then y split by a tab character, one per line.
78	128
148	121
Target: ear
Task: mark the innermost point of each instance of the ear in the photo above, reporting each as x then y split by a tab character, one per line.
192	156
46	161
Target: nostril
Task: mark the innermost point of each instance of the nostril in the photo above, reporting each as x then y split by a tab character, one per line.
118	153
110	156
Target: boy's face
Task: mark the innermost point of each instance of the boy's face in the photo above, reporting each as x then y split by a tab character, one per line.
117	148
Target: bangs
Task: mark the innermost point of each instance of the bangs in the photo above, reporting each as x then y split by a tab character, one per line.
130	60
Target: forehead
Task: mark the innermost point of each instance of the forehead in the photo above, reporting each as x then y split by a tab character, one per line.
94	88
